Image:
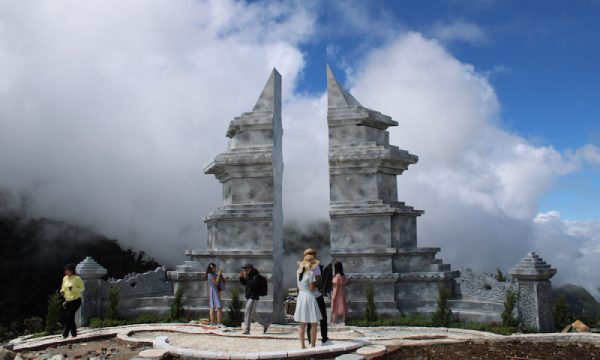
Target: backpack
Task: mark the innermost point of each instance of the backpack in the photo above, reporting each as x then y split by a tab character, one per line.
326	284
262	288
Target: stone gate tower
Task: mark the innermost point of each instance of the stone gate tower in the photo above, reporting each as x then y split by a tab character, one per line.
372	233
248	227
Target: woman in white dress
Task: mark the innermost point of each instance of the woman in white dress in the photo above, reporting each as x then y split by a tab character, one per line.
307	308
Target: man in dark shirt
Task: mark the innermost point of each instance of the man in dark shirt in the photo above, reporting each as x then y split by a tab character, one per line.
249	277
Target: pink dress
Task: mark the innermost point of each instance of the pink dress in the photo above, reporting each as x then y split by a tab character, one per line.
338	298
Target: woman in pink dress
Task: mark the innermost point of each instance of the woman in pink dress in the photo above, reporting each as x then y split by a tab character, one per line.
338	297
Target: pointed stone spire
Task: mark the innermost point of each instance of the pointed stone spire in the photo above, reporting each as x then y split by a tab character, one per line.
336	95
90	269
532	267
270	98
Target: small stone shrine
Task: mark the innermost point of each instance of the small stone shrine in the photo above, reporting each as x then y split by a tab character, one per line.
535	292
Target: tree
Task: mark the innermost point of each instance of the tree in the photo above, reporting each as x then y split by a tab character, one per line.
500	276
510	303
235	316
112	311
177	310
53	314
561	312
443	313
371	309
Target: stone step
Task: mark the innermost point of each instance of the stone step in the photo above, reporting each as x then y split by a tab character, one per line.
478	316
476	305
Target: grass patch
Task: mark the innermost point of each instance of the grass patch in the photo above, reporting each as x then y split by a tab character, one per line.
140	319
427	321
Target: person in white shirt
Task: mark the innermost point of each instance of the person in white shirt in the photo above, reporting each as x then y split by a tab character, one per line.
320	300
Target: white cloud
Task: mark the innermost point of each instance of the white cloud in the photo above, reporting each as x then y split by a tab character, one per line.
478	183
459	31
108	109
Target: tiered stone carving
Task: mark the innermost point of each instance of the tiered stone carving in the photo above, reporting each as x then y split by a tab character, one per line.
248	226
373	233
535	292
91	273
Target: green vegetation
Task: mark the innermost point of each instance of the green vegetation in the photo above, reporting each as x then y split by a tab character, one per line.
112	310
177	311
53	325
443	313
235	316
510	304
561	312
34	252
141	319
580	303
500	276
427	321
370	310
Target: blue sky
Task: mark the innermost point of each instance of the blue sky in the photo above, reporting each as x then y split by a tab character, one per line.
540	56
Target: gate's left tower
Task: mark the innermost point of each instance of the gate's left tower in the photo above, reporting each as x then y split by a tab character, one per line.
248	227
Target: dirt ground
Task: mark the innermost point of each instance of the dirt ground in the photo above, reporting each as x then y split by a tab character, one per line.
508	350
107	349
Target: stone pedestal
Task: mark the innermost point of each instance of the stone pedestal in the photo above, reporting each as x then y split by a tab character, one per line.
372	233
91	299
248	227
535	292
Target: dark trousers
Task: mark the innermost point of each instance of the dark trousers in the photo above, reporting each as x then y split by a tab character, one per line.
323	322
69	319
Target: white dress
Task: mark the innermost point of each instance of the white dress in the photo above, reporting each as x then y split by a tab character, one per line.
307	309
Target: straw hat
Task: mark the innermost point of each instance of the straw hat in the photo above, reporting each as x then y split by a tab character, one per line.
309	262
310	251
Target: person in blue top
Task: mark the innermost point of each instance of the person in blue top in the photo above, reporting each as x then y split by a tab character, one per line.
216	283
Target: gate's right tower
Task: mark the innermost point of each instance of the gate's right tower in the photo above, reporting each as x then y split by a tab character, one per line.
372	233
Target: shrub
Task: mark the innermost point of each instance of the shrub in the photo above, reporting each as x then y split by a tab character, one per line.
177	311
150	319
33	325
500	276
510	303
54	313
561	312
101	323
442	315
112	310
370	310
235	316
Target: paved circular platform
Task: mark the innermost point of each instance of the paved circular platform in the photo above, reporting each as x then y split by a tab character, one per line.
202	342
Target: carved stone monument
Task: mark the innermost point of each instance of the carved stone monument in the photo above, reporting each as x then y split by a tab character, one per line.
248	227
372	233
91	305
535	292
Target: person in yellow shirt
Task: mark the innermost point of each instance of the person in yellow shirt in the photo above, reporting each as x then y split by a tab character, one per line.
71	289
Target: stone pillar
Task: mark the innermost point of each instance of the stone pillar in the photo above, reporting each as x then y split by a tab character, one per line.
372	233
248	227
535	292
91	306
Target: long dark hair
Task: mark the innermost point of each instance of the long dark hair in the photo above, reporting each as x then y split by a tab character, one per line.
211	267
72	268
338	268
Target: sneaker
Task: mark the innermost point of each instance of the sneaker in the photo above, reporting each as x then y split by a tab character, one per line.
246	333
326	342
265	328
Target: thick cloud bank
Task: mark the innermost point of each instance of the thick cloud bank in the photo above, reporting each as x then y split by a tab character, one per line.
109	109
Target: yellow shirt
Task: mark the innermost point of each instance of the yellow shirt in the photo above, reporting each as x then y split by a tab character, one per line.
76	287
